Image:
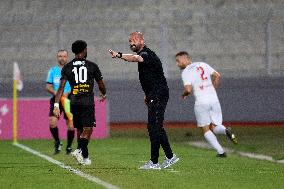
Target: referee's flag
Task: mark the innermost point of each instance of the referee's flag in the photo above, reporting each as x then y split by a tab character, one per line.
17	77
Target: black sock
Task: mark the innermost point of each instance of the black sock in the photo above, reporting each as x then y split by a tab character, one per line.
79	132
54	132
83	144
70	137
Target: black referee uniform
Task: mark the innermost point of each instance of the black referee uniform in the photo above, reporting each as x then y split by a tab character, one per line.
154	84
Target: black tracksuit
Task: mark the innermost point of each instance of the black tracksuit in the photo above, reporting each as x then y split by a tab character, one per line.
154	84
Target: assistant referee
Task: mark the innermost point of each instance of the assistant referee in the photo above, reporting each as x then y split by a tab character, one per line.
154	85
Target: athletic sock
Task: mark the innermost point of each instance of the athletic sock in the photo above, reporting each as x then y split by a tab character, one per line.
84	147
54	132
219	129
212	140
70	137
79	132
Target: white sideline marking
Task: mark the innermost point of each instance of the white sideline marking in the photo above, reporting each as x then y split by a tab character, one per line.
200	144
69	168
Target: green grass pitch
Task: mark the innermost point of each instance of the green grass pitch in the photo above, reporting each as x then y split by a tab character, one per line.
115	160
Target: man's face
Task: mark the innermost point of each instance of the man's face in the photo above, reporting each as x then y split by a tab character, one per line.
136	43
182	61
62	57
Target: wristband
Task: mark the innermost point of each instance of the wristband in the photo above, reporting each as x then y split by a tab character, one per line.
56	105
119	55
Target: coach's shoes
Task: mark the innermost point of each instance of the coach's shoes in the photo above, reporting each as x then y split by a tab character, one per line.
150	165
169	162
57	147
87	161
77	154
231	136
221	155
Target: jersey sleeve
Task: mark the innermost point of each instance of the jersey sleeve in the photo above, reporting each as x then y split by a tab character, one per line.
186	78
97	73
210	69
146	57
49	78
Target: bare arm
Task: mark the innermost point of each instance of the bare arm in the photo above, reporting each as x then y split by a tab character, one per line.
60	90
187	91
216	78
50	89
126	57
102	87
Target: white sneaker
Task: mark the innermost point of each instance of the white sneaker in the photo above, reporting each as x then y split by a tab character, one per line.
150	165
169	162
77	154
87	161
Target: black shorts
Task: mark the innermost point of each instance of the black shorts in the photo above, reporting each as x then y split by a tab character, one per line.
83	116
51	102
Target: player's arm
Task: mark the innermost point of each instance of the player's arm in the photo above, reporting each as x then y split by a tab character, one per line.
58	95
102	89
50	89
126	57
186	91
216	78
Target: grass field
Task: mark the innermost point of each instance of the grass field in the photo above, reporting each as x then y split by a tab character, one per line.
115	160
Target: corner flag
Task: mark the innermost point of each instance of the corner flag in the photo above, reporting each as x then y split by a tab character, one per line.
17	85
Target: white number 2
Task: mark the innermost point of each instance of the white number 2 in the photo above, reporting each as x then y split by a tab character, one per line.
80	74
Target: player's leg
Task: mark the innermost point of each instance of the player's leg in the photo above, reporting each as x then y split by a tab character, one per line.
202	114
88	121
76	111
83	144
79	132
212	140
217	119
53	128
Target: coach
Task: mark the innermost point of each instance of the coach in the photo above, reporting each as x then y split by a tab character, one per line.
156	91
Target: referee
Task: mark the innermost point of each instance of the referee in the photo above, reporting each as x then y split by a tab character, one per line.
52	85
154	85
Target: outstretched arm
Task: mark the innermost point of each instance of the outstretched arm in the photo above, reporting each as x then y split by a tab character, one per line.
187	90
126	57
58	95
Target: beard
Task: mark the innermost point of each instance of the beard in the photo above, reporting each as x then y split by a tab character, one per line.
134	48
62	62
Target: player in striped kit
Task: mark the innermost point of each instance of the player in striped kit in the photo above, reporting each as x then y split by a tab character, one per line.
202	80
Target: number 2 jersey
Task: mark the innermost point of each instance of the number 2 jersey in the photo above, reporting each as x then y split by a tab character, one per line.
198	75
81	73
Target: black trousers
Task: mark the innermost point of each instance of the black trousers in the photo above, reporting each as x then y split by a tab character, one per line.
156	109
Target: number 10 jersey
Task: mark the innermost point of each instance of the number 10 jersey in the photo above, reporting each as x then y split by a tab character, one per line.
81	74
